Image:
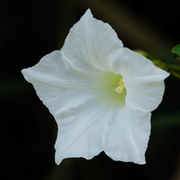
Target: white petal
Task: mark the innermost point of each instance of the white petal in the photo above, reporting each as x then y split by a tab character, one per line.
145	97
90	41
127	135
81	129
53	79
143	80
73	100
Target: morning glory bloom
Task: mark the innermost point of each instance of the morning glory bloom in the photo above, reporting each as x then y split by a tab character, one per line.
100	93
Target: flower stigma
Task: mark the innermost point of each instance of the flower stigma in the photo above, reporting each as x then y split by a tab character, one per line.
120	88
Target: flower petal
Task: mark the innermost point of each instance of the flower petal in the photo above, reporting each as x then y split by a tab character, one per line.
142	79
73	101
145	97
92	42
54	79
81	129
127	135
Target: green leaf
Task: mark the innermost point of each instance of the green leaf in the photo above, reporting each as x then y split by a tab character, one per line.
176	51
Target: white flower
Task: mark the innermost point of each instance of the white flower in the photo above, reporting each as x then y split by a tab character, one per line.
100	93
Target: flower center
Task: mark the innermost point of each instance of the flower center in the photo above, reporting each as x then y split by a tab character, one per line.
120	88
113	88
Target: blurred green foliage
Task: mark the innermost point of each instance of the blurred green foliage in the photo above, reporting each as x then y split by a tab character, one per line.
176	51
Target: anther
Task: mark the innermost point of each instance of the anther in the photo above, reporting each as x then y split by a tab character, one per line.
120	88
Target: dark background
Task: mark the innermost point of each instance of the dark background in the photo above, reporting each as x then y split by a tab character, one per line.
31	29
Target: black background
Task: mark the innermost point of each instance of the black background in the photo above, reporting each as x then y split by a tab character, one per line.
31	29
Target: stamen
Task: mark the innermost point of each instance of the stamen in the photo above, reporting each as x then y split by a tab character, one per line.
120	88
